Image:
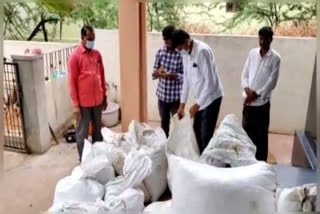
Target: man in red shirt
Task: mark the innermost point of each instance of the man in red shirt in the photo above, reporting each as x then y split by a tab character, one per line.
87	87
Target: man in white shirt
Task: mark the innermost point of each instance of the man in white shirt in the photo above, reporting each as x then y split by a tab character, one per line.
200	74
259	78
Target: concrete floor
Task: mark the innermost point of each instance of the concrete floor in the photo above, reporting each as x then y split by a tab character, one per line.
29	181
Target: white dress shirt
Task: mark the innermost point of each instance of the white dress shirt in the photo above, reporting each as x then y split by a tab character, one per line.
200	74
260	74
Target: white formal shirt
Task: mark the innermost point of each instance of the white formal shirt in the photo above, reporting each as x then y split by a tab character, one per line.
260	74
200	74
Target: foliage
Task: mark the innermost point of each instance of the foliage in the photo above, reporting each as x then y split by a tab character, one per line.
98	13
273	13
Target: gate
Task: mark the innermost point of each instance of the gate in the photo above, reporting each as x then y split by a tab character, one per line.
14	132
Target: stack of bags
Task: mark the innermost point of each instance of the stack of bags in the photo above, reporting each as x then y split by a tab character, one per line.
118	175
131	169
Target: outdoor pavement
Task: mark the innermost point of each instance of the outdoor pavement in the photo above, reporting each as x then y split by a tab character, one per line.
29	181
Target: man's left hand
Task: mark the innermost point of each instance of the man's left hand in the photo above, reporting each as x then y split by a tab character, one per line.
105	103
193	110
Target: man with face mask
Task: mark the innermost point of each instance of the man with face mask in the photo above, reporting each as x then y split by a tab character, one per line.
87	87
259	78
168	68
200	74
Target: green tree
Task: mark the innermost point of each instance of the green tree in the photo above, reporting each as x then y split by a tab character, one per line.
16	19
25	20
98	13
161	14
273	13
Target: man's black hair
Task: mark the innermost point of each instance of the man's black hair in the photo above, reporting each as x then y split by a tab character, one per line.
85	29
167	32
266	32
179	37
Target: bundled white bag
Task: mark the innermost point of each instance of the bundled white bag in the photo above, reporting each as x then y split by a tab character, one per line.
98	207
201	188
137	168
95	163
77	189
129	201
153	144
119	144
230	145
148	141
156	182
163	207
182	141
297	199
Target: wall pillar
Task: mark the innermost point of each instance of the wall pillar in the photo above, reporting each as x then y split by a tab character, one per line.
133	65
1	92
34	102
318	105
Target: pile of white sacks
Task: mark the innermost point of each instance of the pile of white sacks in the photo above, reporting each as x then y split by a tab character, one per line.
131	169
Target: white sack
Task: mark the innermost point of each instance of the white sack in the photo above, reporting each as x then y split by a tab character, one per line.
163	207
131	200
230	145
201	188
95	164
182	141
77	172
152	143
297	199
148	141
98	207
137	168
120	144
75	189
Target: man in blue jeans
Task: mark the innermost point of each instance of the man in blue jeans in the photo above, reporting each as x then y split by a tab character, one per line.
202	77
168	68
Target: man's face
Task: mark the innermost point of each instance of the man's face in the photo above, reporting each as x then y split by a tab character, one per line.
179	48
264	42
184	46
91	36
168	43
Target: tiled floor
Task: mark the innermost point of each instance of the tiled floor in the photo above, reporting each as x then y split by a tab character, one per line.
280	149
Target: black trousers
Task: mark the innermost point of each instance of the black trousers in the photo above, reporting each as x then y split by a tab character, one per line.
205	122
88	114
166	111
255	122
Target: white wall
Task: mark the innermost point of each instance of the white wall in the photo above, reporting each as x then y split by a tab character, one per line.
18	47
290	98
59	107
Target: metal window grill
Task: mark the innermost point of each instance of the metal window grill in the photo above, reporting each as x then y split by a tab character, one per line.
14	132
56	62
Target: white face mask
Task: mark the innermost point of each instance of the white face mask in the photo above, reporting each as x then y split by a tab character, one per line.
90	44
183	52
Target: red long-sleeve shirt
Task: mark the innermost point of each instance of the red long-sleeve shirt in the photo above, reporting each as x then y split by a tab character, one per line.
86	77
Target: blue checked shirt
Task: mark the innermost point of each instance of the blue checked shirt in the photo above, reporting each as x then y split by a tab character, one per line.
169	90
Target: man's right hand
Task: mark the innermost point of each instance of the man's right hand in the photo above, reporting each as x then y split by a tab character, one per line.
251	96
181	111
77	113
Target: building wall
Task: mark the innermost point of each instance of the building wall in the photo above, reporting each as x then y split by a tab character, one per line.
59	107
290	99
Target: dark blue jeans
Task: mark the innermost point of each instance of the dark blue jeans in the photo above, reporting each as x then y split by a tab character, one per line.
166	111
205	122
